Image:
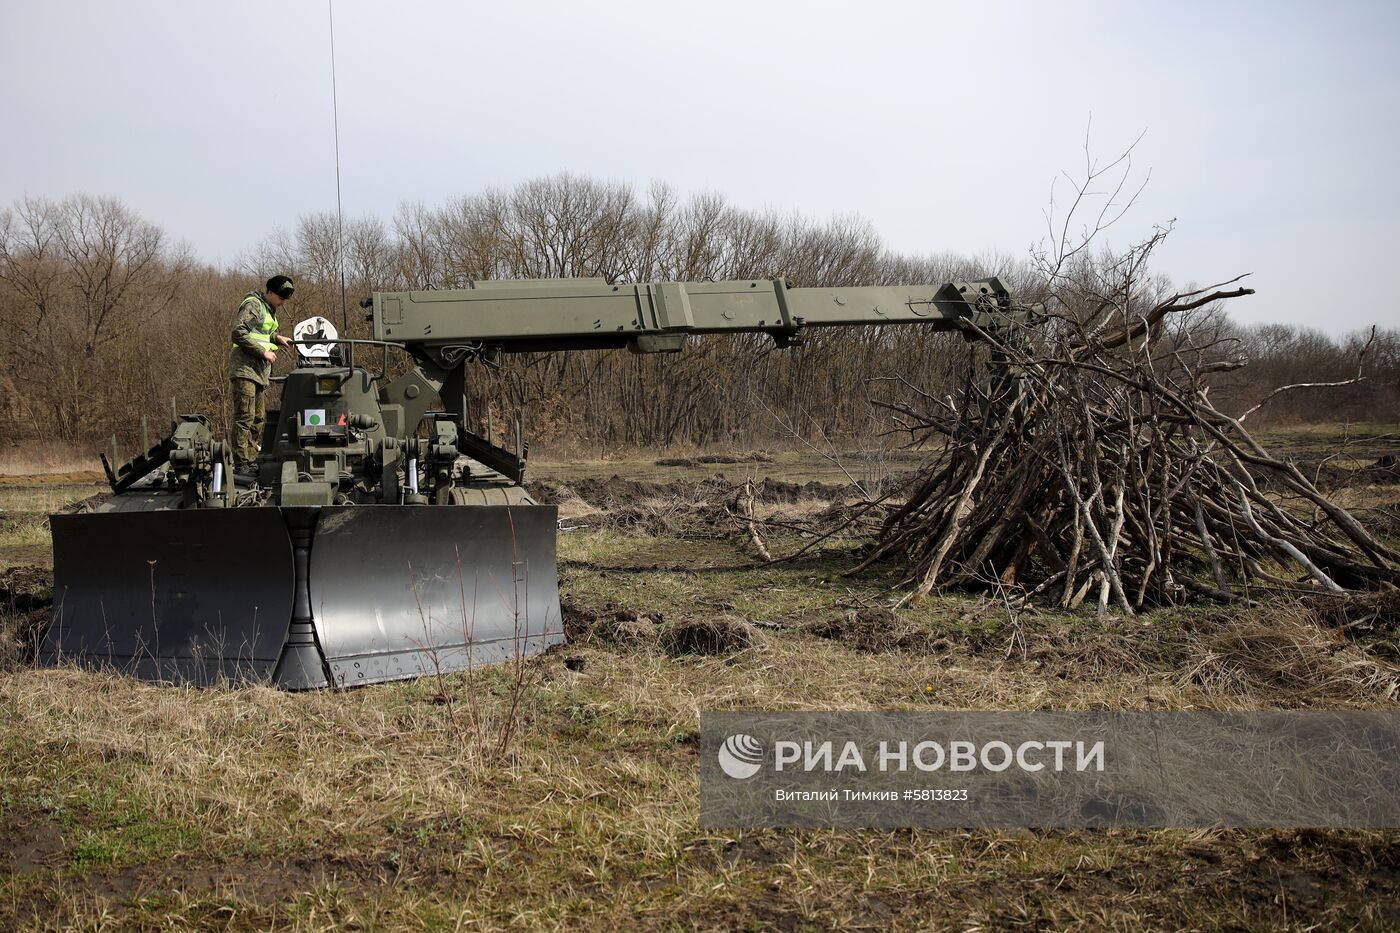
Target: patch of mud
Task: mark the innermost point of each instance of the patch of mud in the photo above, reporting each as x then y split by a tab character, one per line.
755	457
265	885
703	508
25	589
707	636
1201	880
26	555
624	628
71	478
89	504
1384	472
26	604
30	842
619	492
256	881
877	630
572	507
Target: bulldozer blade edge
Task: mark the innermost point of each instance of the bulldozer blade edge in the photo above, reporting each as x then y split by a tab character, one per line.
404	591
303	597
179	596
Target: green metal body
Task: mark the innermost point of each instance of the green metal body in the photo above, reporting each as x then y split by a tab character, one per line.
385	538
576	314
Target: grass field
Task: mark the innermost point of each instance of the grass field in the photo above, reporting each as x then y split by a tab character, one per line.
129	806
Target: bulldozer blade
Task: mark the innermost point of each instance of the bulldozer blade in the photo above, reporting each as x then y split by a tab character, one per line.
404	591
179	596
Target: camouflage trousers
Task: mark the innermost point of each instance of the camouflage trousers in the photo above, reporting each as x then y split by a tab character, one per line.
249	414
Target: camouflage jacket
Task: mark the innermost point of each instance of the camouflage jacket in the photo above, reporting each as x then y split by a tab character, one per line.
245	357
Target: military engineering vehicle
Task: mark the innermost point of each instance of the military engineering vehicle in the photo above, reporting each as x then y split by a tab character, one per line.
382	538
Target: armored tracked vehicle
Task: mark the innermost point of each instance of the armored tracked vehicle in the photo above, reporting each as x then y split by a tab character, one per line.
381	538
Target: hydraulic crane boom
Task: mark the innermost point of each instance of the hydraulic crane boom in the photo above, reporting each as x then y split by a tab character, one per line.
577	314
446	329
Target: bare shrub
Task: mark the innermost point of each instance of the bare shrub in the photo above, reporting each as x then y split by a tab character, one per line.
1084	458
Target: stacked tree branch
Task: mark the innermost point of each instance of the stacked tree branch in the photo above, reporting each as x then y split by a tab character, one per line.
1092	467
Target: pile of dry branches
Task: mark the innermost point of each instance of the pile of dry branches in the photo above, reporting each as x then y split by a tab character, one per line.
1093	465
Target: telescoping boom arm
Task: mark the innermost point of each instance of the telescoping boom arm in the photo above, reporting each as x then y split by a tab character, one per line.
578	314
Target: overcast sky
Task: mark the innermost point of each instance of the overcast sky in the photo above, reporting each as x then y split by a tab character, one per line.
1271	128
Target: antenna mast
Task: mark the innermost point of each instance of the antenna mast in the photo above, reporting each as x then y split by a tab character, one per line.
339	212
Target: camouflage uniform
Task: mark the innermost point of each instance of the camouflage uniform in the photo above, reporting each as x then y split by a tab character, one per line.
253	335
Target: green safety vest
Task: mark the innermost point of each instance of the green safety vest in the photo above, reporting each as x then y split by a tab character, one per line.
267	326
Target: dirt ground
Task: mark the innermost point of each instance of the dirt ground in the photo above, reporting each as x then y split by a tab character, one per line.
427	804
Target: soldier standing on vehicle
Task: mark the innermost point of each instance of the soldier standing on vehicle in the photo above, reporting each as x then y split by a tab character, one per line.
255	343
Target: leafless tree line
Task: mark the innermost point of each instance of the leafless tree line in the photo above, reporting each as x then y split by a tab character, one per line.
110	320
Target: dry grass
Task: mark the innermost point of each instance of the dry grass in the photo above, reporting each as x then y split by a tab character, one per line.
252	808
24	531
797	466
126	805
1283	651
34	459
44	498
